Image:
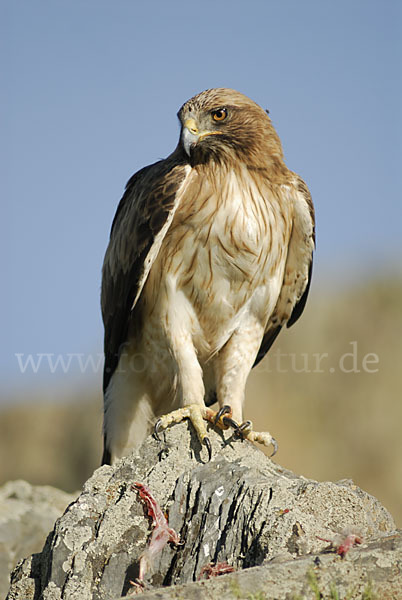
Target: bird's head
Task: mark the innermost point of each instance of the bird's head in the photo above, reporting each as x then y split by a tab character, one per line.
222	124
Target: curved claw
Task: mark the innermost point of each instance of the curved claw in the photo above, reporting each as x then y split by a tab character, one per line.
157	429
207	443
245	425
241	429
230	422
275	446
224	410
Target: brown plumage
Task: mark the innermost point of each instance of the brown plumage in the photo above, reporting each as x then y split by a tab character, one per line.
209	256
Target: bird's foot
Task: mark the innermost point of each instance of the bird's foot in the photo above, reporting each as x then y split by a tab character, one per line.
221	418
197	415
245	430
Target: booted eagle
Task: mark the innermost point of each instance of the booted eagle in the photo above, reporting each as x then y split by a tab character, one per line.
210	254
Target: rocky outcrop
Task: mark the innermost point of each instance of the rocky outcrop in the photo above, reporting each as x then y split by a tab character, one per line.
240	509
27	514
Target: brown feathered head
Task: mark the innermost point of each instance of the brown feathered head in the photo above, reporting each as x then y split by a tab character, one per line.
222	124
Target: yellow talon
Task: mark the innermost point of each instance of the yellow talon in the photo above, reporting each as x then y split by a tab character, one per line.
222	419
196	413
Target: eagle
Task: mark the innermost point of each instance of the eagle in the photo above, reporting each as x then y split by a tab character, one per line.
210	255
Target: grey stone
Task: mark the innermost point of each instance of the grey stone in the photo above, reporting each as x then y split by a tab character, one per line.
372	571
240	508
27	513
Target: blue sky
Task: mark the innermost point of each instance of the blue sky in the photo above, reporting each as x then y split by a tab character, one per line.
89	94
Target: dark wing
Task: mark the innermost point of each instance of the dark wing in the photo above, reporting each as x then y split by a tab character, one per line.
267	341
299	265
299	306
139	226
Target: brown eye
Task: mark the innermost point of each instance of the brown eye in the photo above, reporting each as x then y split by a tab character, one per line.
220	114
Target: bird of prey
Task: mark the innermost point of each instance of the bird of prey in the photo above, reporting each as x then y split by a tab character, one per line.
210	254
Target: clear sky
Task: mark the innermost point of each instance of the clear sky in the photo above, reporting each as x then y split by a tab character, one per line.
89	94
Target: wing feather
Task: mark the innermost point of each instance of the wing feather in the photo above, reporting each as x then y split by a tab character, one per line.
141	221
298	269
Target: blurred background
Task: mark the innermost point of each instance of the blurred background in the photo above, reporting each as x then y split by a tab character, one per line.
89	94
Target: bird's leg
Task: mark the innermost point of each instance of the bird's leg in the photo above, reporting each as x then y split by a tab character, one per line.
233	365
190	385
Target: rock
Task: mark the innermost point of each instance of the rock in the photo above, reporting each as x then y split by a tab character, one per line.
240	508
371	571
27	513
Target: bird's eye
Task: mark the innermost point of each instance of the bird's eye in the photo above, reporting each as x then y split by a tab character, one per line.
220	114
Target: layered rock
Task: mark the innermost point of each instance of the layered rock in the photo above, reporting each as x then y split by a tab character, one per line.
240	509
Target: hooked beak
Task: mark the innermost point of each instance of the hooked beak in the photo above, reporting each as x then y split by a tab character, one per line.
190	135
